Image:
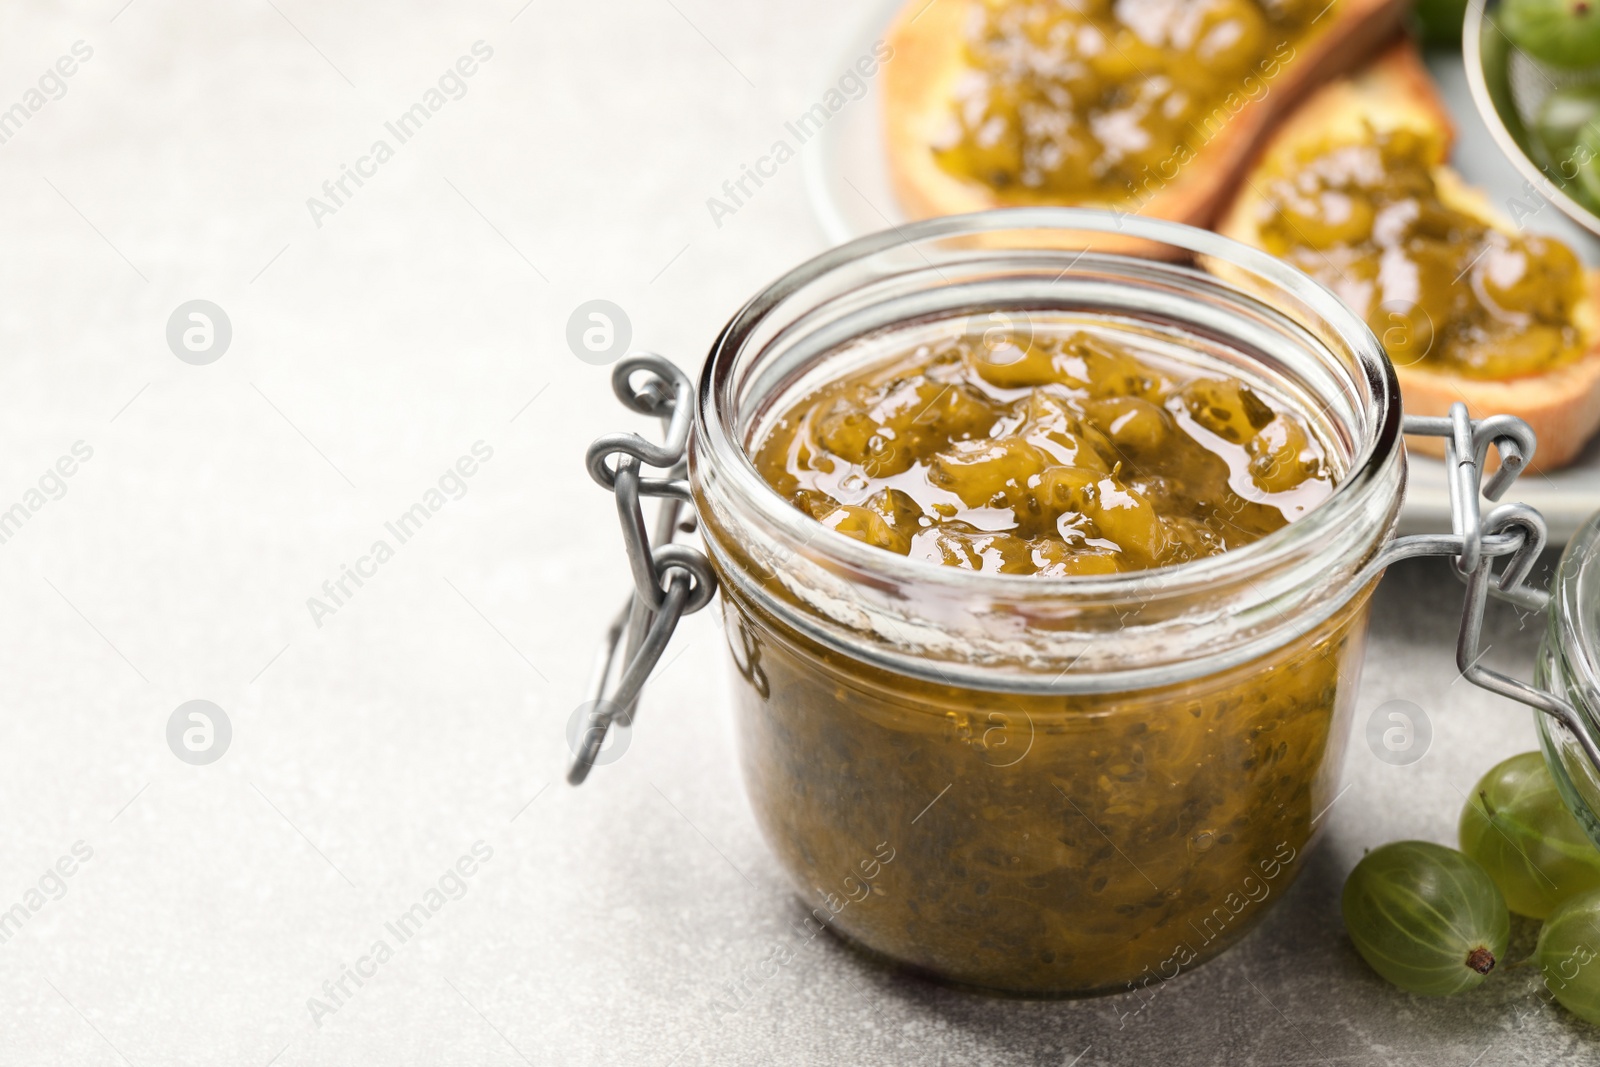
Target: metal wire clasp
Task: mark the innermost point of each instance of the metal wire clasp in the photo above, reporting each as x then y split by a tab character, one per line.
669	580
1514	531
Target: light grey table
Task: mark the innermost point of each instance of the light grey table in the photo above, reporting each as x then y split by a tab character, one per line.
375	744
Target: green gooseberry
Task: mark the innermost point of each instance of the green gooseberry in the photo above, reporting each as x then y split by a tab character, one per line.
1562	33
1517	827
1569	943
1425	917
1562	116
1438	22
1586	154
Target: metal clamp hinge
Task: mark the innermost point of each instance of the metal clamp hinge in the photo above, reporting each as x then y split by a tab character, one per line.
1514	531
669	580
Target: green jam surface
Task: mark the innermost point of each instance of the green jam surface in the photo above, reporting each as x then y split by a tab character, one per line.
1056	451
1095	99
1441	288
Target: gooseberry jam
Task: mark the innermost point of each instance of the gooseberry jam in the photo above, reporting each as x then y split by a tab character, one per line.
1442	288
1045	573
1047	447
1101	98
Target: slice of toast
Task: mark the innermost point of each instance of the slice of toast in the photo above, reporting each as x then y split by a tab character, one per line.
1392	93
929	42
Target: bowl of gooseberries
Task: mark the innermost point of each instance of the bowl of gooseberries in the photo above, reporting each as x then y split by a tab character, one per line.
1533	67
1436	921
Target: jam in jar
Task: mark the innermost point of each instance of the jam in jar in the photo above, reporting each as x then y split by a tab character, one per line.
1046	633
1051	449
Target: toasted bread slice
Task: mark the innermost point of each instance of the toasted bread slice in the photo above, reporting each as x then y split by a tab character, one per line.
1395	92
929	43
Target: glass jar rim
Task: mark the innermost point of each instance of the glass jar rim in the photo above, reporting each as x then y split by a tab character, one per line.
715	432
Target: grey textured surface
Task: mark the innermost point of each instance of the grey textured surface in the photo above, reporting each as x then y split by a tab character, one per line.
427	713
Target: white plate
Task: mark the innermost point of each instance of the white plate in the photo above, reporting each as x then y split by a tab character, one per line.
849	188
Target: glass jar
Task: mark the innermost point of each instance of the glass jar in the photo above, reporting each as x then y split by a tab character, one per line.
1569	668
1051	786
